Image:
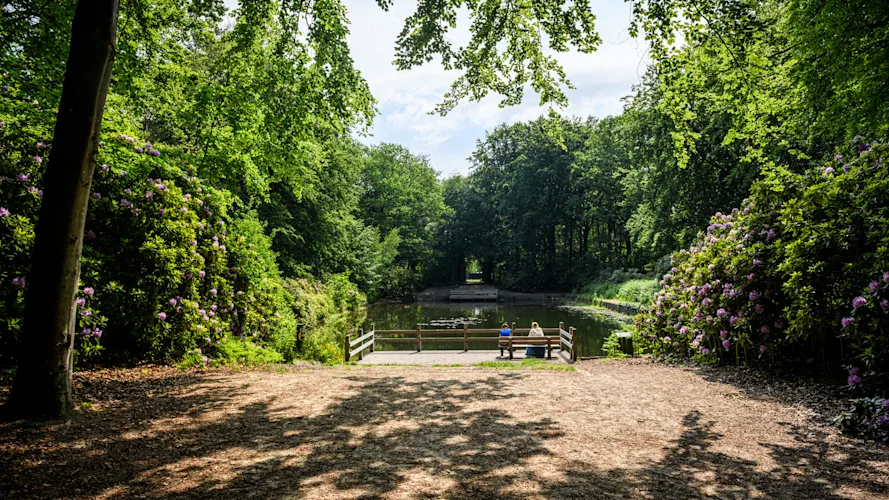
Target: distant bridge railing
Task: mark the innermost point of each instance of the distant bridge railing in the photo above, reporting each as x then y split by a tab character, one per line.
564	340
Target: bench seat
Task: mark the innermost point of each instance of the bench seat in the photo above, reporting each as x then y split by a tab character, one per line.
525	341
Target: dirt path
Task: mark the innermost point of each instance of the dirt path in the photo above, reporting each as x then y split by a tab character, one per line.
608	430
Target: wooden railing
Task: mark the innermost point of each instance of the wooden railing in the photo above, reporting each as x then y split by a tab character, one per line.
567	338
368	339
418	336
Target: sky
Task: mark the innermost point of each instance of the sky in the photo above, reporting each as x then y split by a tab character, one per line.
406	97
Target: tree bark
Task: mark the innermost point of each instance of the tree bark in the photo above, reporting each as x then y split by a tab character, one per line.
43	381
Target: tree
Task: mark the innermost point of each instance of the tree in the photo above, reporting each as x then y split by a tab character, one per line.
505	52
43	381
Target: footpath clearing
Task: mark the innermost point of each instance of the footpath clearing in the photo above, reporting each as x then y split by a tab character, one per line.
616	429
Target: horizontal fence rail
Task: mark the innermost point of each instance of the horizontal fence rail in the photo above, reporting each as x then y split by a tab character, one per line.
369	337
562	339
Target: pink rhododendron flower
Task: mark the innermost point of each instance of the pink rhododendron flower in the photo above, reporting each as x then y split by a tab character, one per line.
847	322
874	286
857	302
88	291
762	348
162	316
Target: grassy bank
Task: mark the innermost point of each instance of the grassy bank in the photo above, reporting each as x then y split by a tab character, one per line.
637	290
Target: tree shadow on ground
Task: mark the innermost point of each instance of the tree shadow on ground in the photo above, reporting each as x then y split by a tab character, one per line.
812	468
387	435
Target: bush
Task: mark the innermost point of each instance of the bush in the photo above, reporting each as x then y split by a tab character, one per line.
169	264
803	261
627	286
327	311
868	417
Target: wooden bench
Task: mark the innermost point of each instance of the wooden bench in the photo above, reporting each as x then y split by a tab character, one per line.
511	343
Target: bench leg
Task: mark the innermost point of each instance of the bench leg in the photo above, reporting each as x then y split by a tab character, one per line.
510	354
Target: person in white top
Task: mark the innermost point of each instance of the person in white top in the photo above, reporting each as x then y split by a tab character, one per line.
535	351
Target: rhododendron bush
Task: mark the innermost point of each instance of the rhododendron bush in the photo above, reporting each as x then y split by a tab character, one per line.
800	270
171	266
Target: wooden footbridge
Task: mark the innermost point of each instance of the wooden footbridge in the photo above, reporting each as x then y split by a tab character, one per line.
559	339
474	294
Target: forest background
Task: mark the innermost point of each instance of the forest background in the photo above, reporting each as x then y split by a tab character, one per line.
233	203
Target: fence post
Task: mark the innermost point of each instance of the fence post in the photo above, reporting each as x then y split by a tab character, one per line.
561	326
419	339
465	342
348	342
573	344
373	338
513	328
361	352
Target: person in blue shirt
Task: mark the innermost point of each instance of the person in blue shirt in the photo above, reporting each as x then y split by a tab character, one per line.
504	332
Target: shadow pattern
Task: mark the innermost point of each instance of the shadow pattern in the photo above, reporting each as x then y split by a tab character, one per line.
390	434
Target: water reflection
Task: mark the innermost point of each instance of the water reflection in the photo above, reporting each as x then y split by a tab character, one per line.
591	331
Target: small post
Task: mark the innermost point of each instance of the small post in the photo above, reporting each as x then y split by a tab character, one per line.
549	348
373	338
510	345
573	344
419	339
361	352
513	328
348	342
465	334
561	327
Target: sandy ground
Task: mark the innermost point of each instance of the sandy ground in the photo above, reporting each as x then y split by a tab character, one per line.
608	430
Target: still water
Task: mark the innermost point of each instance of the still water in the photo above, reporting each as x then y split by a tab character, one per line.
591	331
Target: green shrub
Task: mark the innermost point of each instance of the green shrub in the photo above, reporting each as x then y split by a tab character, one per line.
611	346
805	260
328	311
236	351
640	290
169	263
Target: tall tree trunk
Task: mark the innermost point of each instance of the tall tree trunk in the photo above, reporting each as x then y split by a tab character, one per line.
43	381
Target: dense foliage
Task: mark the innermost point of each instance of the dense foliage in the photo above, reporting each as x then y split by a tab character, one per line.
803	263
224	222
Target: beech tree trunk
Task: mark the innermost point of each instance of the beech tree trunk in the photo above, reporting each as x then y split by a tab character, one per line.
42	385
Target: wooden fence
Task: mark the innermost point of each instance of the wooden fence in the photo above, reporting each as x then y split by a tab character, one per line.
564	340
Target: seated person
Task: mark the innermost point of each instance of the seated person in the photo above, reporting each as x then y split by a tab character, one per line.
504	332
537	351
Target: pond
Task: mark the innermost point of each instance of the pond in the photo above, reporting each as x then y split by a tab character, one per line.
591	330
